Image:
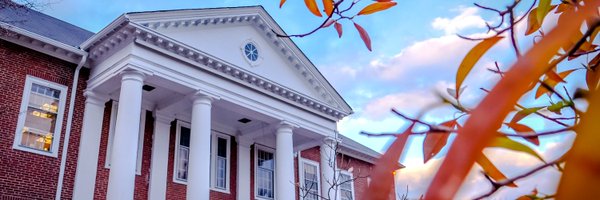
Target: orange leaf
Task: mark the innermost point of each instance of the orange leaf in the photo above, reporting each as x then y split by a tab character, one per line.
328	5
491	170
387	163
592	78
552	75
312	6
281	3
521	129
524	113
532	22
581	176
338	28
435	141
552	82
471	59
487	117
363	35
376	7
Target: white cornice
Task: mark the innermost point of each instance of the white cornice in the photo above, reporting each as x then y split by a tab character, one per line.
142	27
40	43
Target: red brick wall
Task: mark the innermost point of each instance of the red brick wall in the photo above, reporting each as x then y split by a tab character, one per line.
178	191
361	170
25	175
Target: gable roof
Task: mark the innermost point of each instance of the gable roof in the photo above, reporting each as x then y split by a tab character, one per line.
143	25
39	23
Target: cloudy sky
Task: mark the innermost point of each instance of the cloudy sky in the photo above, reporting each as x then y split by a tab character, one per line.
415	53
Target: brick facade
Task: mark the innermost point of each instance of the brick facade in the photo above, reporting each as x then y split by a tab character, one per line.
25	175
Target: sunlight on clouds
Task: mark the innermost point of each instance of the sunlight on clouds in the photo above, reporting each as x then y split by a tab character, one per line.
468	18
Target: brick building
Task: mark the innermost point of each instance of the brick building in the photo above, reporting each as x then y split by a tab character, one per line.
178	104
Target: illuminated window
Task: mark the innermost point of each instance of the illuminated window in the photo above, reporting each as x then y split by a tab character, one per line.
265	174
40	117
111	136
309	177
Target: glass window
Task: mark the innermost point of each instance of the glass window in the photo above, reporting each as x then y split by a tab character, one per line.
265	171
183	153
346	186
40	119
221	164
310	176
111	134
251	52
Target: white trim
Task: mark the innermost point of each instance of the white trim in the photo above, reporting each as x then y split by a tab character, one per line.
111	133
29	81
344	172
301	162
176	153
213	162
269	150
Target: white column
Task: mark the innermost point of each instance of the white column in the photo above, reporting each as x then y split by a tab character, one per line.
328	166
160	156
121	180
243	168
89	145
284	163
198	183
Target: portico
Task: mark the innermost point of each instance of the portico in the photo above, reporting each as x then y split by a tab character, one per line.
194	70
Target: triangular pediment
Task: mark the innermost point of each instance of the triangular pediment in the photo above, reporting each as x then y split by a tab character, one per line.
222	35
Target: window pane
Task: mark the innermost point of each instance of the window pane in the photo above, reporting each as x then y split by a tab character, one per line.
265	182
184	138
42	121
182	164
221	172
43	102
43	90
222	147
35	140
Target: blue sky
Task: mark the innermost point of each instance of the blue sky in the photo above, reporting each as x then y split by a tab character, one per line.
415	52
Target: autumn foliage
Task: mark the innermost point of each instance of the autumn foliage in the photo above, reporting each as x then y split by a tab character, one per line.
535	71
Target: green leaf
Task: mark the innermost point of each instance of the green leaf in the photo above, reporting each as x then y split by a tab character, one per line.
506	143
543	9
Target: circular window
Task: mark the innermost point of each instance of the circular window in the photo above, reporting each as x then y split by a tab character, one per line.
251	52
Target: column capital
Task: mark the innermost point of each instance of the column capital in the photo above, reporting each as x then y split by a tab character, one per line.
244	141
331	140
203	97
286	125
95	98
131	74
163	117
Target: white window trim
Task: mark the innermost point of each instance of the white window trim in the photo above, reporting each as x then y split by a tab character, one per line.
111	133
301	163
260	58
213	163
29	81
351	184
178	135
214	136
270	150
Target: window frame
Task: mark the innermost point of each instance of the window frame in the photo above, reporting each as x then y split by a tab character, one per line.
213	161
111	134
29	81
214	137
347	173
258	147
301	163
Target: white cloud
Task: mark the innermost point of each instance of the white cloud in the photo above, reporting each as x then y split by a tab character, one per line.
419	177
468	18
406	102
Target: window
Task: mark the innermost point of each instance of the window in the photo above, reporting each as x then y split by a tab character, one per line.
111	134
220	158
220	162
40	117
251	52
346	186
265	174
309	176
182	152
